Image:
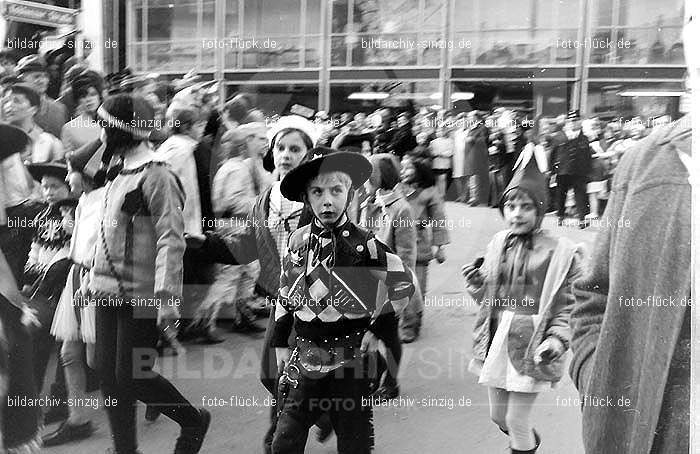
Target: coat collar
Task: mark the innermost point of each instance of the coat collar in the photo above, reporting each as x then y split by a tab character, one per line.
678	134
389	198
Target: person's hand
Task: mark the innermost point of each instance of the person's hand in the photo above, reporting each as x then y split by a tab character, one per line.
195	240
29	316
440	255
549	350
169	323
369	343
282	354
473	276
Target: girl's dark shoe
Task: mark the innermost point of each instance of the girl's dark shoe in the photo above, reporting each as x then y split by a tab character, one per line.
528	451
68	432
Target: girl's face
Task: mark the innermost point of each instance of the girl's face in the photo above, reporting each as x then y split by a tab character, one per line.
75	182
408	171
520	214
288	152
91	101
372	183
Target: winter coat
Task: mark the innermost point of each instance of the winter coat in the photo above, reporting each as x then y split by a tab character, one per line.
256	242
390	218
429	212
476	153
573	157
555	304
633	351
178	151
460	141
141	241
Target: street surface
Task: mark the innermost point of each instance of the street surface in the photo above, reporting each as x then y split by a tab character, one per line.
441	407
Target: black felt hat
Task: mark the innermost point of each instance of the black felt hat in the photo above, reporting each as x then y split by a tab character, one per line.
14	140
321	160
52	169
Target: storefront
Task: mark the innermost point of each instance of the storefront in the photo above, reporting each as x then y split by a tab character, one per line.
545	56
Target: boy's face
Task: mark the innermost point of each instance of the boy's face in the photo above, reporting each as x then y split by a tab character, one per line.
16	108
39	80
54	189
520	214
327	195
7	65
408	171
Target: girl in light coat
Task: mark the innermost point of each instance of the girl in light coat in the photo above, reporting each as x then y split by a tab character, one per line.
523	286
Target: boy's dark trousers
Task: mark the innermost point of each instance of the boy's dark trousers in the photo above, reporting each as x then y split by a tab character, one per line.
341	394
578	184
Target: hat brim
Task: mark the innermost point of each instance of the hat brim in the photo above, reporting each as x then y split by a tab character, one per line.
14	140
355	165
38	171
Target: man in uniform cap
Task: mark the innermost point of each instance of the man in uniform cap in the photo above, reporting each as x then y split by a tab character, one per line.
572	161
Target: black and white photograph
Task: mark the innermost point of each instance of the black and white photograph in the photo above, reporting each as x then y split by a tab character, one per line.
349	226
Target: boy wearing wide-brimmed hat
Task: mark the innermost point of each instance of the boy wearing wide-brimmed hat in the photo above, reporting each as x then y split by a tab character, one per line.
329	289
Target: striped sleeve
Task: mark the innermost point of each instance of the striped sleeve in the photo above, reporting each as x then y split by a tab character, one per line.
388	268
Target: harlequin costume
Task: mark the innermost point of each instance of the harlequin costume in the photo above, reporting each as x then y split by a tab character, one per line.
338	282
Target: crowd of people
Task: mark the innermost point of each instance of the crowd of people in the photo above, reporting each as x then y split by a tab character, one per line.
137	214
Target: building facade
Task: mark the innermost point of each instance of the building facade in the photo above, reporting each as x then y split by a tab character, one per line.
605	57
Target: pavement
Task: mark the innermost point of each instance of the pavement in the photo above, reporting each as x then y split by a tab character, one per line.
441	406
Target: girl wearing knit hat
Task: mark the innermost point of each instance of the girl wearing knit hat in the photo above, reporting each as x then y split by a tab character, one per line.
138	259
523	286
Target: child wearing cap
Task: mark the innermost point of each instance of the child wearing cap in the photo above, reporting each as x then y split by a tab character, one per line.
524	289
331	278
47	266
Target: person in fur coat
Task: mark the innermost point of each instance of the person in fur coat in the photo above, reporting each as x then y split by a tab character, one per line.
523	286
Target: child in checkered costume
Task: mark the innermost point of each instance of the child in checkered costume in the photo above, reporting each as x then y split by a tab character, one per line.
340	288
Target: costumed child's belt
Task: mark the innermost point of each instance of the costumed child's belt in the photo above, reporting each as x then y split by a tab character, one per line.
319	357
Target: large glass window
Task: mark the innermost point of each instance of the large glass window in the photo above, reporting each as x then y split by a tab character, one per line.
277	99
168	35
496	33
386	32
273	34
647	100
369	96
643	32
